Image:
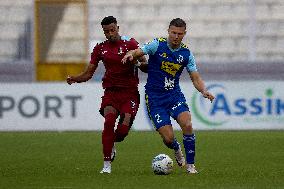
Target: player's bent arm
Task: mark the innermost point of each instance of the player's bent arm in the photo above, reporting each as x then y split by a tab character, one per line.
137	53
199	85
84	76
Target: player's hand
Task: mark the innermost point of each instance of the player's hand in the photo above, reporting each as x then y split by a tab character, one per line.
208	95
70	80
127	57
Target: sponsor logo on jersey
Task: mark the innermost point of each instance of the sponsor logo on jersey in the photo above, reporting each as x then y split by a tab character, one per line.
170	67
169	83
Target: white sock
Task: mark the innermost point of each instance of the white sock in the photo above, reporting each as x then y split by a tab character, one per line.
107	163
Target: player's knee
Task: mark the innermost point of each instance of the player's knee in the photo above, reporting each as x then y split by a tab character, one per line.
109	120
126	119
187	129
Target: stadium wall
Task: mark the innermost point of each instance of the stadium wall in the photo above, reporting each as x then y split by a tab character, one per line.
252	105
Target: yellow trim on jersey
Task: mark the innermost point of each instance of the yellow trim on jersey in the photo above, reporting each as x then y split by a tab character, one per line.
170	67
184	46
162	39
148	110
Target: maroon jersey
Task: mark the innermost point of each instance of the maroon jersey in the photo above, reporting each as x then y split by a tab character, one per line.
117	74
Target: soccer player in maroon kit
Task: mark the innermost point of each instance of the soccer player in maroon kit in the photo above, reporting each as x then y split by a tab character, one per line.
120	82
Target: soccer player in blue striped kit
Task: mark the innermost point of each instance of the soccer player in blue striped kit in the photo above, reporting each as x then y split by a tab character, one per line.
167	59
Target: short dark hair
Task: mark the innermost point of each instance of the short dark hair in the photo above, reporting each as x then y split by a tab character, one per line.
178	22
108	20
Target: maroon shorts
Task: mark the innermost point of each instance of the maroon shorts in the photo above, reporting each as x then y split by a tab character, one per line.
122	99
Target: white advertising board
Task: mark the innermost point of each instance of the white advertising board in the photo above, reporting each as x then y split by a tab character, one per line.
59	107
239	105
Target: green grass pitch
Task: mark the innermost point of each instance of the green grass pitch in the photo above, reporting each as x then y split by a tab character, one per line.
72	160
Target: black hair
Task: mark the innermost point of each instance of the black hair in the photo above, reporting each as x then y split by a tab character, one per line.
108	20
178	22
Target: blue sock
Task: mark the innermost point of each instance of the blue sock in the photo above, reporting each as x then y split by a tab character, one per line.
175	145
189	146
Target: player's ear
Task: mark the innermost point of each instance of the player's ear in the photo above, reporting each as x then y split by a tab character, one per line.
117	28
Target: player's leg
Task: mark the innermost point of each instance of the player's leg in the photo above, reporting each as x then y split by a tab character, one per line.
128	109
123	126
184	120
171	142
180	112
167	134
110	115
160	119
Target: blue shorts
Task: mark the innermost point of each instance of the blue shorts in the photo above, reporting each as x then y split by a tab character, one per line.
160	110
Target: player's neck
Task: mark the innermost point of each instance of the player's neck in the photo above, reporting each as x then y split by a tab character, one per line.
118	38
172	46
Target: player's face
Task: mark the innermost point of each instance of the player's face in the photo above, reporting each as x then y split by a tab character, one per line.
176	35
111	32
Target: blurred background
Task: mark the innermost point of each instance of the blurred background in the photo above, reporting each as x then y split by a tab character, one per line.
235	38
43	41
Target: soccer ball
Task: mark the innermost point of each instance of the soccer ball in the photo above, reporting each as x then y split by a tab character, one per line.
162	164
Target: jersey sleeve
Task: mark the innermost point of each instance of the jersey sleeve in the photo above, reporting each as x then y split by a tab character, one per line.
151	47
191	65
134	44
96	55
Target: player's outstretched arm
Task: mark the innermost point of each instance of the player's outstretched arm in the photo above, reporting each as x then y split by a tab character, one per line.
84	76
200	86
132	55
